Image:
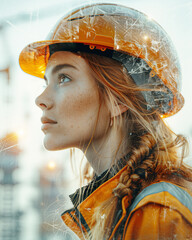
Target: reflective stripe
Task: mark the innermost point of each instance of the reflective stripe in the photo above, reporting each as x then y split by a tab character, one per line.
174	190
82	220
79	217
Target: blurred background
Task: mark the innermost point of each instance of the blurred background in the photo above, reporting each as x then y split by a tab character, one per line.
35	183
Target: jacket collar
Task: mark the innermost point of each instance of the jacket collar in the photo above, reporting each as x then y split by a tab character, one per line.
82	193
97	197
80	218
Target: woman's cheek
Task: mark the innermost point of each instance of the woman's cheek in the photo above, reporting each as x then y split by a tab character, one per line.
77	105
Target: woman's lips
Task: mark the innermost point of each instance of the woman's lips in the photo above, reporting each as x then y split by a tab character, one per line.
47	123
47	120
45	126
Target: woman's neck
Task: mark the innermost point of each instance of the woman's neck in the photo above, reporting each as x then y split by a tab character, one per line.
103	154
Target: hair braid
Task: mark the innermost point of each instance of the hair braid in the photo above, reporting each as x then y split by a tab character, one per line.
140	166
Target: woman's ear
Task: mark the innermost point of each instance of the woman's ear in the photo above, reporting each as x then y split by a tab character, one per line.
118	110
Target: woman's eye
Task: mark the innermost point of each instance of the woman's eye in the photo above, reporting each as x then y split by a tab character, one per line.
63	78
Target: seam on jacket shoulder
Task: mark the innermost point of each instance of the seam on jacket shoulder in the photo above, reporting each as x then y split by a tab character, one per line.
181	195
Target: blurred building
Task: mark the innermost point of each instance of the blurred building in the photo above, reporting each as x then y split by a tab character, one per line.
10	215
52	201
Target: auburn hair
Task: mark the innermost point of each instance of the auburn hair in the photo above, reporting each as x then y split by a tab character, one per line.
155	151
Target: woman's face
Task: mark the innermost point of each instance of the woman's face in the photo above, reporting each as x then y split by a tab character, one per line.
71	100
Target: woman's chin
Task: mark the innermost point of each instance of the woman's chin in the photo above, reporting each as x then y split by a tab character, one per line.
52	145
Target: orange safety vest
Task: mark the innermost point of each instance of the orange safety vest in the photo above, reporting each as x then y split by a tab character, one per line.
161	211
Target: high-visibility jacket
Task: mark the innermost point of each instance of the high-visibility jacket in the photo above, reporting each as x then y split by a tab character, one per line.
161	211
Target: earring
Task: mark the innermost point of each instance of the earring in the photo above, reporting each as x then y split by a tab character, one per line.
111	122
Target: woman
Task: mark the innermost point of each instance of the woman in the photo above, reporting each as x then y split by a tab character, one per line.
112	74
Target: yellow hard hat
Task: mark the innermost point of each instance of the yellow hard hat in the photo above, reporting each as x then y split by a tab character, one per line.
123	34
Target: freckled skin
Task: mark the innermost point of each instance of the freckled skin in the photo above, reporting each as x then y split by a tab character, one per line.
74	104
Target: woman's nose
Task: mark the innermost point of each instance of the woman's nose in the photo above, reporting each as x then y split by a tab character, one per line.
44	102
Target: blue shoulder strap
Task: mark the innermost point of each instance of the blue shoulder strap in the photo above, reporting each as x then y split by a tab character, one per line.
174	190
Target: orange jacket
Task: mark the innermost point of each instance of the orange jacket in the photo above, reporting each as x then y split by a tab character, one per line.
161	211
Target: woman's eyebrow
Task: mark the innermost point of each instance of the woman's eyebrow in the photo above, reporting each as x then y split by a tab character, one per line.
58	67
